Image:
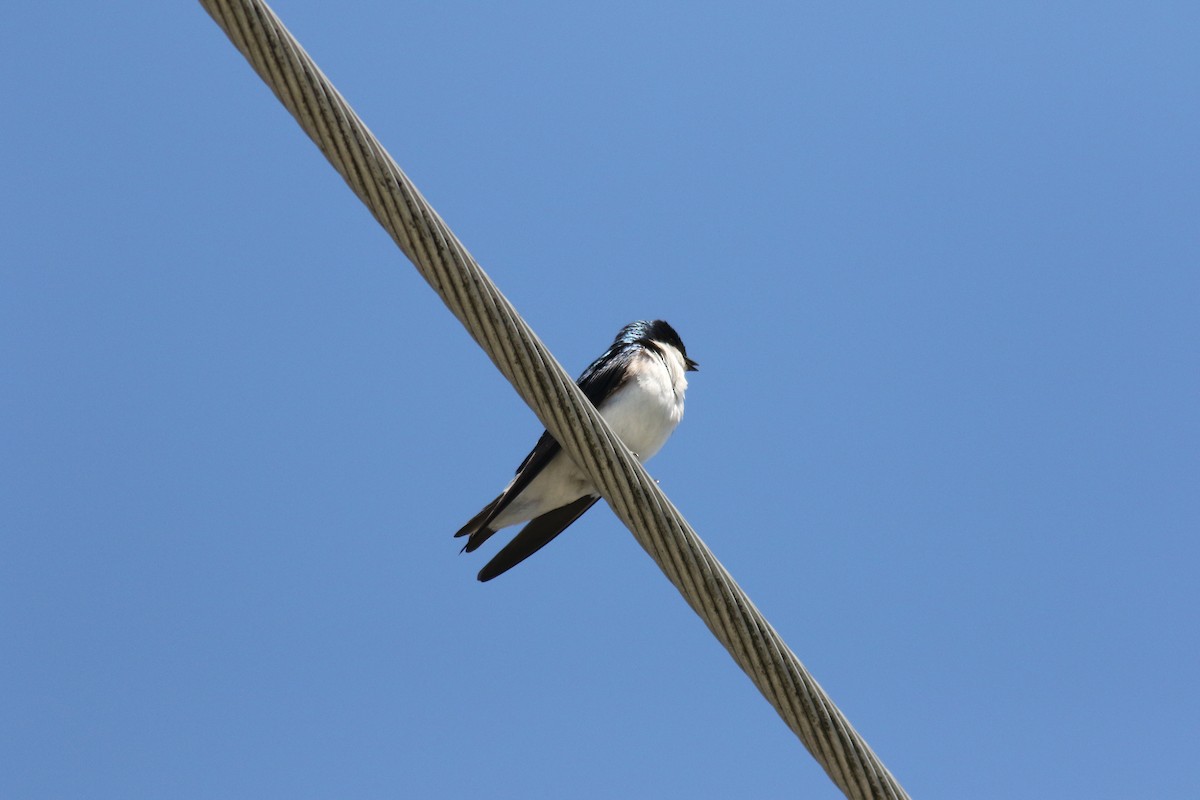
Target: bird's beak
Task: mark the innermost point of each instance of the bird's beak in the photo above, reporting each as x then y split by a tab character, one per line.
692	366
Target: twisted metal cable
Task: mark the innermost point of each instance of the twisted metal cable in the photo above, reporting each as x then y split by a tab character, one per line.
522	358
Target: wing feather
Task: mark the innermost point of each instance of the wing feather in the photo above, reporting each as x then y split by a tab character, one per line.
536	535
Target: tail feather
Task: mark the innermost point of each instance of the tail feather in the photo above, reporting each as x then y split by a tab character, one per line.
477	538
477	529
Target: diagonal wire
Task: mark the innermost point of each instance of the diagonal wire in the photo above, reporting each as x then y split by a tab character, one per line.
541	382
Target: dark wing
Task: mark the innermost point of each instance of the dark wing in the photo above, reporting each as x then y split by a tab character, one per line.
535	536
598	381
602	377
606	374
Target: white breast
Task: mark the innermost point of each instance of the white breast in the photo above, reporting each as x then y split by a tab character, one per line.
647	408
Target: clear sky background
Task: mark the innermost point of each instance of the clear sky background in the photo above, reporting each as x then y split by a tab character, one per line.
940	266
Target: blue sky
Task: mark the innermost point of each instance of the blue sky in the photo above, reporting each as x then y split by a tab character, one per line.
939	265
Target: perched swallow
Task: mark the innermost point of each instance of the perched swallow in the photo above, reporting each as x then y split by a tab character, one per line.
637	386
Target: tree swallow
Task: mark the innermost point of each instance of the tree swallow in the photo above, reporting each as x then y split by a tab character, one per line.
637	386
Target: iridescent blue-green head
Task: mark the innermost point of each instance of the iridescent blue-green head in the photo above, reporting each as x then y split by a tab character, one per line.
646	332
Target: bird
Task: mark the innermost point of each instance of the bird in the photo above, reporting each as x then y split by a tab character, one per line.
637	385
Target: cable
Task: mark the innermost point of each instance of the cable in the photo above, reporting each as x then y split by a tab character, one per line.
517	352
